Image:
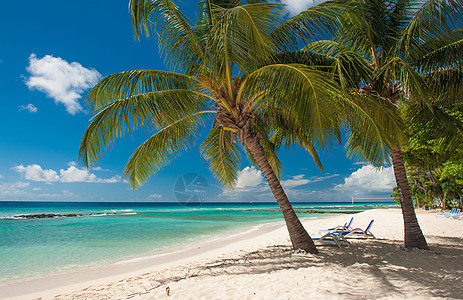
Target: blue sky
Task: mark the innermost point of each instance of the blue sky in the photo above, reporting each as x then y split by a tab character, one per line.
53	52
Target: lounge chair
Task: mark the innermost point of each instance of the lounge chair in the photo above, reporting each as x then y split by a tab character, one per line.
446	213
333	238
359	232
455	215
337	228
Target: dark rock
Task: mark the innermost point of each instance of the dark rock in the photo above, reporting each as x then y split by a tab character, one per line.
51	216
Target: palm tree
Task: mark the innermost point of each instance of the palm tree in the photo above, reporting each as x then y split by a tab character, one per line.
406	52
227	65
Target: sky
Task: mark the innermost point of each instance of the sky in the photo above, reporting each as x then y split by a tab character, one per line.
52	53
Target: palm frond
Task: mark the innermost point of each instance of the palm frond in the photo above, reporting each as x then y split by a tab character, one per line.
444	126
317	22
352	69
374	126
222	154
291	138
177	39
431	18
288	132
149	110
446	86
299	92
271	153
161	148
412	84
327	47
442	52
126	84
308	58
363	25
241	34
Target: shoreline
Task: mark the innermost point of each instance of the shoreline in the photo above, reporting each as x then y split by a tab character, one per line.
47	285
231	264
152	255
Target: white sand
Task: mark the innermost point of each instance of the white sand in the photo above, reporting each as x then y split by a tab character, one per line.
260	265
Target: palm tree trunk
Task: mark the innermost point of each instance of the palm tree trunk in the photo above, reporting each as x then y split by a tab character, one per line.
300	239
414	238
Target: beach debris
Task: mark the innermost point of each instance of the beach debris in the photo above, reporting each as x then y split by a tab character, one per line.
299	251
168	291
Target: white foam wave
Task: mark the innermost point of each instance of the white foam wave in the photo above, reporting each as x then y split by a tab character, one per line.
11	218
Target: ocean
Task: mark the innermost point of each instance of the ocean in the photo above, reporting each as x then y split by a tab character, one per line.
113	232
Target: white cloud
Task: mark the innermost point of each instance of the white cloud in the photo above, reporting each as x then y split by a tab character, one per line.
18	190
71	174
69	194
113	179
13	189
155	196
30	108
252	186
297	180
369	179
249	182
74	174
72	164
36	173
296	6
100	169
60	80
249	177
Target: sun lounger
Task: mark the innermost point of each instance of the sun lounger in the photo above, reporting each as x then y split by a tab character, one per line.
456	215
336	238
337	228
359	232
447	213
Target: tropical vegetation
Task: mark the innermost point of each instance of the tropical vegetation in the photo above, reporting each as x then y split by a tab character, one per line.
239	70
233	72
406	52
435	173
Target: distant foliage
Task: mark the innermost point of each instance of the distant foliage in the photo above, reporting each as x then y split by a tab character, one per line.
435	169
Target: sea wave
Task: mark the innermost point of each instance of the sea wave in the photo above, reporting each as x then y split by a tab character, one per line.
11	218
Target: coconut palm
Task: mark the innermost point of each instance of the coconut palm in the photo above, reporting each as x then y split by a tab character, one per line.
227	67
406	52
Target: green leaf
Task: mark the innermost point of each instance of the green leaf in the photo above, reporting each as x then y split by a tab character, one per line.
151	111
161	148
222	153
177	39
129	83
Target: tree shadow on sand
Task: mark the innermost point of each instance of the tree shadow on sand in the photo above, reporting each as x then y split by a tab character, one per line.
393	268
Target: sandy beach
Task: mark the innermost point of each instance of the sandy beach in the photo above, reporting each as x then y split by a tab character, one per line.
260	264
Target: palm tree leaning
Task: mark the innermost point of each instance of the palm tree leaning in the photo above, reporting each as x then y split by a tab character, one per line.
408	53
229	69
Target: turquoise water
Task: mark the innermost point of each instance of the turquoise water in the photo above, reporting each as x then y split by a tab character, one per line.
36	247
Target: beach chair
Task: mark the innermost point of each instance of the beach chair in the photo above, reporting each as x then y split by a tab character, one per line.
359	232
446	213
338	228
336	238
455	215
